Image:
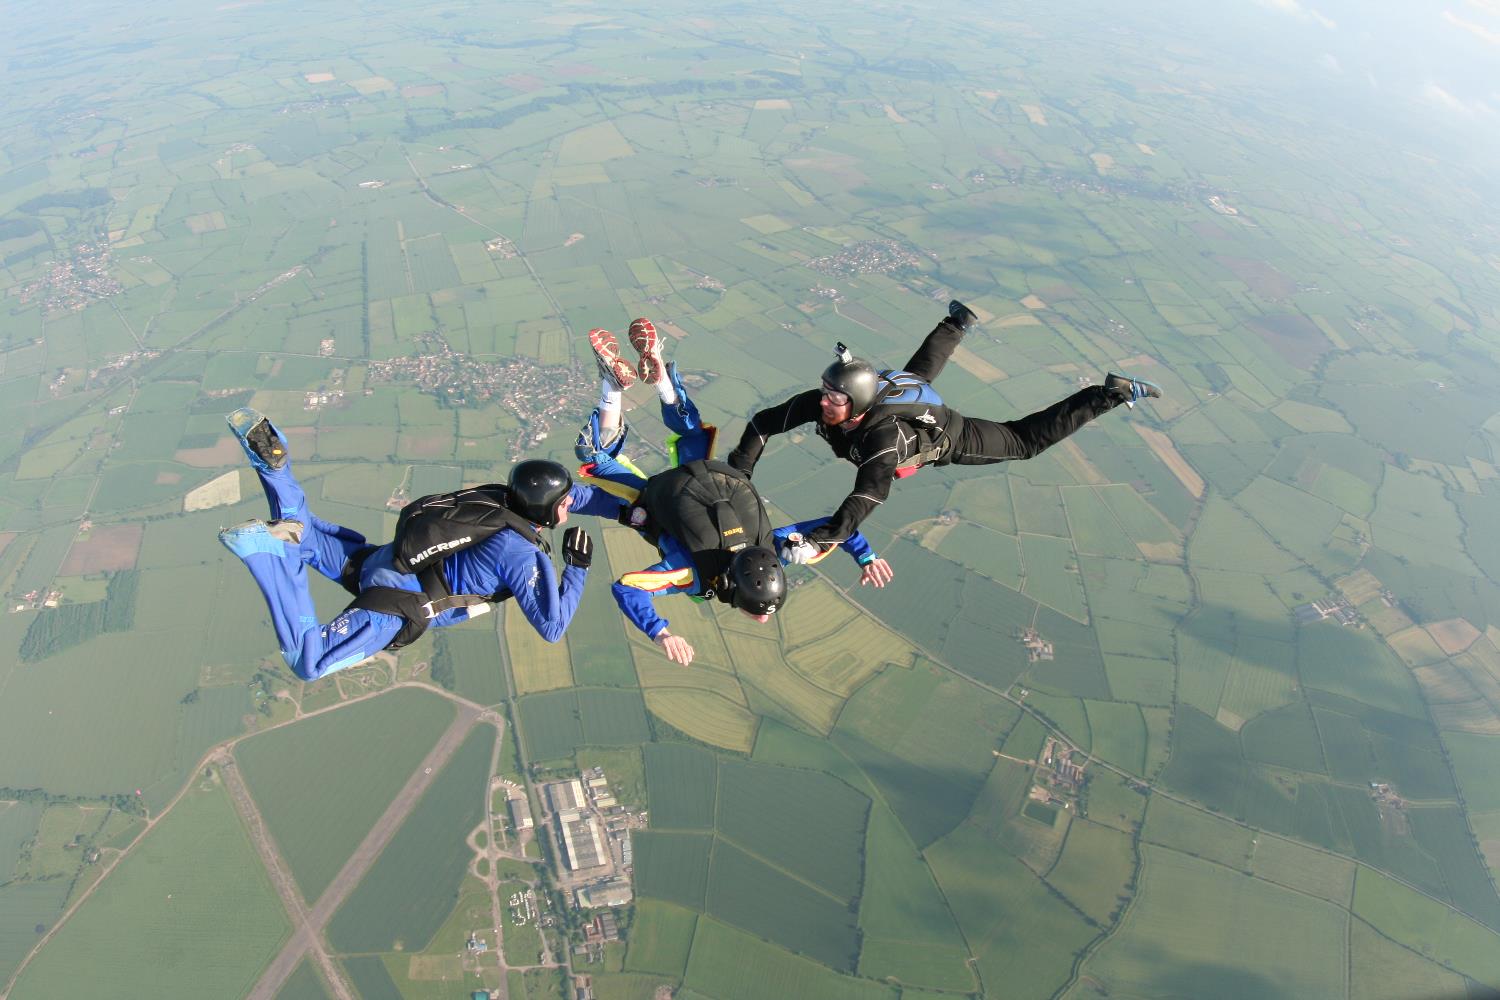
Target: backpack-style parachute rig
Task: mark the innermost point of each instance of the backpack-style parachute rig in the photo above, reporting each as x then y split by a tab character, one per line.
430	529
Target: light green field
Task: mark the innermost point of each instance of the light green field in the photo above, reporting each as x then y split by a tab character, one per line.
1226	538
1288	863
1052	575
1097	863
1119	734
761	663
523	940
1427	927
705	716
157	926
991	553
844	660
731	965
537	665
1022	935
661	935
909	934
130	732
319	814
1381	969
1199	929
1198	833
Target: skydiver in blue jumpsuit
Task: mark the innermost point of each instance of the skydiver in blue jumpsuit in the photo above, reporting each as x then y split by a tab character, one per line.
279	553
599	446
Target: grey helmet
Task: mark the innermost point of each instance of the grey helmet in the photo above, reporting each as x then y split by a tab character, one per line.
855	378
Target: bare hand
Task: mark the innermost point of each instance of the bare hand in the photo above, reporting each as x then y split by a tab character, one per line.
678	649
876	573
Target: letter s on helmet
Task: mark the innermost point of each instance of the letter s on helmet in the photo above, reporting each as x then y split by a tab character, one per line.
757	583
536	487
855	378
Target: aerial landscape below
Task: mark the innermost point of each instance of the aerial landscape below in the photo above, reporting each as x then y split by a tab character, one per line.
1201	701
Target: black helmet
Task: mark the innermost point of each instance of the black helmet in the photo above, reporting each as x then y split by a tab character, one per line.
535	488
756	582
855	378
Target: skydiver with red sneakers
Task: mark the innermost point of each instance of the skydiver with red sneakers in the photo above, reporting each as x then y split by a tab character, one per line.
705	519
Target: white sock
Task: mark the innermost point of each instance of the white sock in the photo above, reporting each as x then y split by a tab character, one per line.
611	397
666	390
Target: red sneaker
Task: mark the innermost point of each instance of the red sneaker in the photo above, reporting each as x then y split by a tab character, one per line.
644	338
607	353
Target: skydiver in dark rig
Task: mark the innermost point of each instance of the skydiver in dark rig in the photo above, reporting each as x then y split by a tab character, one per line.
890	423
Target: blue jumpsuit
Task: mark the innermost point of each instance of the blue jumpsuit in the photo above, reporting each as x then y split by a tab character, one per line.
504	564
690	440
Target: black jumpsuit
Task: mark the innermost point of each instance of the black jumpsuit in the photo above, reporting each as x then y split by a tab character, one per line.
915	434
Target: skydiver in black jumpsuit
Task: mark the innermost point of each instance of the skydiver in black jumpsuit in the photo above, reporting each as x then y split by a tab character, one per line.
891	423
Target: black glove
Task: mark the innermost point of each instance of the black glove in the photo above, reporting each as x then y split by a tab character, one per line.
578	548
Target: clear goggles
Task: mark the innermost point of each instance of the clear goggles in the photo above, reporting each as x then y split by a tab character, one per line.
834	396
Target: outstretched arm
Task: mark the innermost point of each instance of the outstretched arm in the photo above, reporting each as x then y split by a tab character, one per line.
595	502
935	351
635	592
872	484
548	607
873	569
796	411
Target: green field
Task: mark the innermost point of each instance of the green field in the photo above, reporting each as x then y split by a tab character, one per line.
730	965
661	935
682	785
156	926
774	904
804	823
393	236
1317	873
672	866
1023	936
1095	870
908	932
304	984
1200	929
556	723
1197	833
926	740
1427	927
319	814
413	885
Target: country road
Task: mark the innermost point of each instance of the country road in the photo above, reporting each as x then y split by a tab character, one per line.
308	930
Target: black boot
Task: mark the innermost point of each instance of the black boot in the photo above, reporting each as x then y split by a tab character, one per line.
1124	389
961	315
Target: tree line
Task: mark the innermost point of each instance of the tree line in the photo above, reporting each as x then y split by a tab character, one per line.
56	629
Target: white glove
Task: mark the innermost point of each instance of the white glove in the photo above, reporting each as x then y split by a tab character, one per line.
799	551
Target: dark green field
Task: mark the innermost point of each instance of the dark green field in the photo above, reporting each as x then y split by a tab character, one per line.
321	784
413	885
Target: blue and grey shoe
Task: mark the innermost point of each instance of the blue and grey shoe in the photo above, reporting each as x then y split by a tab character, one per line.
590	444
263	443
255	536
1124	389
